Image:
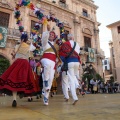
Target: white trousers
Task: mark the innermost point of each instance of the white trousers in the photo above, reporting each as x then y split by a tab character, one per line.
48	74
70	80
65	85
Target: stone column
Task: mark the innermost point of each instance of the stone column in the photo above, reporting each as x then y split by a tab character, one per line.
77	29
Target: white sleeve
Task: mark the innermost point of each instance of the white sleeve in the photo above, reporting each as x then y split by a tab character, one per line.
77	48
45	37
90	81
16	47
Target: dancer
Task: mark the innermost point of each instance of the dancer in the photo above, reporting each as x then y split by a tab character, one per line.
18	78
48	61
69	53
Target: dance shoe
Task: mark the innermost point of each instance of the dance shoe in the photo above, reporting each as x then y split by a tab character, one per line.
14	103
75	101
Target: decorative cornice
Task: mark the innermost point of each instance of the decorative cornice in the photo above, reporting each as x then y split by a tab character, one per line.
113	24
68	10
56	5
6	5
32	14
76	21
88	2
100	56
87	31
75	1
67	25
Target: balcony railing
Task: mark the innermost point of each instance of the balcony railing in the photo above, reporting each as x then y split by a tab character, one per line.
63	5
100	54
15	33
86	49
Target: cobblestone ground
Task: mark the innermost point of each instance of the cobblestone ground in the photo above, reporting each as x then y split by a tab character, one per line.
90	107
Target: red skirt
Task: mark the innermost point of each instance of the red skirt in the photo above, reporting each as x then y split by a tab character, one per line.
19	77
36	81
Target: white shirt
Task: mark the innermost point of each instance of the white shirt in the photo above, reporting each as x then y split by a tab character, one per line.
45	44
92	81
77	47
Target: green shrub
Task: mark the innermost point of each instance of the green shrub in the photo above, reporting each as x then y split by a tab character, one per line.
111	79
4	64
98	77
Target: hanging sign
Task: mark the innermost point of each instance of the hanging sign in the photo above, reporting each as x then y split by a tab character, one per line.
91	54
3	36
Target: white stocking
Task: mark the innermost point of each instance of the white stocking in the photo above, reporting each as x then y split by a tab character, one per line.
14	95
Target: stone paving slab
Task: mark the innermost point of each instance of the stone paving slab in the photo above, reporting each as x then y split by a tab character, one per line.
90	107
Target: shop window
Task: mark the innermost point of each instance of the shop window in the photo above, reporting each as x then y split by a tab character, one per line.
4	19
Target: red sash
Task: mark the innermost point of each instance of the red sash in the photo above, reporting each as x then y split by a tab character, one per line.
66	48
49	56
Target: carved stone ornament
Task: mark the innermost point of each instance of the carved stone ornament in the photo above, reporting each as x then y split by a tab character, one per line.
87	31
5	4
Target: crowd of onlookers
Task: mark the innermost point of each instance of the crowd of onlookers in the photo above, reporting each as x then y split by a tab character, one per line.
108	87
97	86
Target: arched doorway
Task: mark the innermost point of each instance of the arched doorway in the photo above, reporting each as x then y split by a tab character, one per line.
4	64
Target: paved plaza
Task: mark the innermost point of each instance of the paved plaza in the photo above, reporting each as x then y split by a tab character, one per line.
90	107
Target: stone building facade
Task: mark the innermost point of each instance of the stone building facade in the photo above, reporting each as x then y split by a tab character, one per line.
114	49
78	16
112	59
107	69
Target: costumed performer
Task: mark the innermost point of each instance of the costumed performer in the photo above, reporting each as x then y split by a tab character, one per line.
18	78
48	61
71	78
